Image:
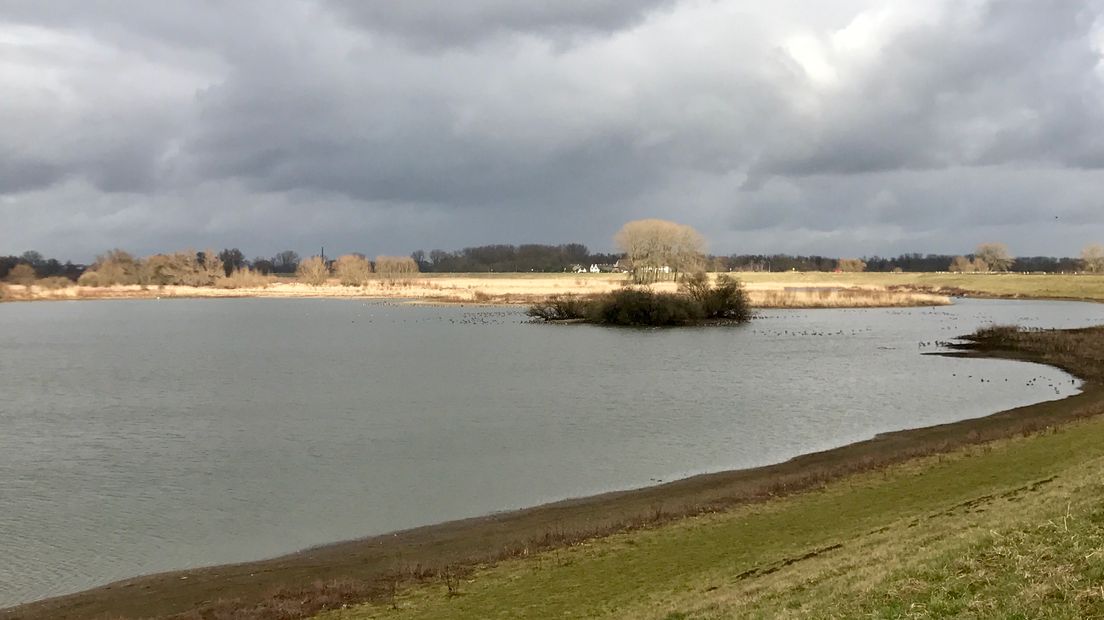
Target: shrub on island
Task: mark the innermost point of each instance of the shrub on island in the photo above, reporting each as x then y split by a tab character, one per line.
696	302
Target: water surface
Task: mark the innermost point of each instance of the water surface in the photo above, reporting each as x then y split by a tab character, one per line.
141	436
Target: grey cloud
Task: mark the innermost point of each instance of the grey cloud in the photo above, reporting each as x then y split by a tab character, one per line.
1008	82
19	175
391	126
437	24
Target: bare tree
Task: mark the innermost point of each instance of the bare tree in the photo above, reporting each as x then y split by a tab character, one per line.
263	266
313	271
286	262
352	270
33	258
232	260
396	266
115	267
658	248
185	268
995	256
23	274
851	264
213	268
1092	258
961	264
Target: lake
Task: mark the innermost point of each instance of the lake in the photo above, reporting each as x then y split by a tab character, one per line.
142	436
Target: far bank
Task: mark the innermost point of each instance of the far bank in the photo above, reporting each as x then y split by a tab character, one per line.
765	290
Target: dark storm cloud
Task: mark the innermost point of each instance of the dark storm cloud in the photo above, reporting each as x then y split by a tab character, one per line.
442	24
850	127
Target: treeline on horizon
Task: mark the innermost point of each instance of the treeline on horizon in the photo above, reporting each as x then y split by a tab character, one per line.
510	258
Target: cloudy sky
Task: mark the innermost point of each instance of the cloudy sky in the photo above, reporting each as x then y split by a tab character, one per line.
839	127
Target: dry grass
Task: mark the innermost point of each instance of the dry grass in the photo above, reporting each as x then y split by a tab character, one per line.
1012	285
491	289
245	279
813	289
53	283
825	297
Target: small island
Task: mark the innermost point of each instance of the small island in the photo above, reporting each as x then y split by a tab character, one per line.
697	302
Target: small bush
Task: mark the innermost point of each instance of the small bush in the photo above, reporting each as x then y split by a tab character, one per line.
313	271
54	283
352	270
559	309
243	278
727	300
396	266
644	307
22	274
117	267
695	302
89	278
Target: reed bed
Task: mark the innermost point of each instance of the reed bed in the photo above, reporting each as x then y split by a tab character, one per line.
1079	351
843	298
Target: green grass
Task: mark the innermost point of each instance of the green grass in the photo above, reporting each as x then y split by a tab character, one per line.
1011	529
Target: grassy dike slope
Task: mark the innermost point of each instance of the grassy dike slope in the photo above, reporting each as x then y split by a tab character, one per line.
1011	528
1015	529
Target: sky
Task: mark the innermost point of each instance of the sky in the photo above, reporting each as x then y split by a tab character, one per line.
833	127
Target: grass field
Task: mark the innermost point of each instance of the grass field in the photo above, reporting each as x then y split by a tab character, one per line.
1011	529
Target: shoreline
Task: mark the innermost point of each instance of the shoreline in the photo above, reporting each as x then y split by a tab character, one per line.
377	563
766	290
502	290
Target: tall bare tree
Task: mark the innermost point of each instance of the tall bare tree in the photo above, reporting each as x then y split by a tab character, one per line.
22	273
657	249
313	271
396	266
232	260
851	264
1092	258
995	255
352	270
286	262
115	267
